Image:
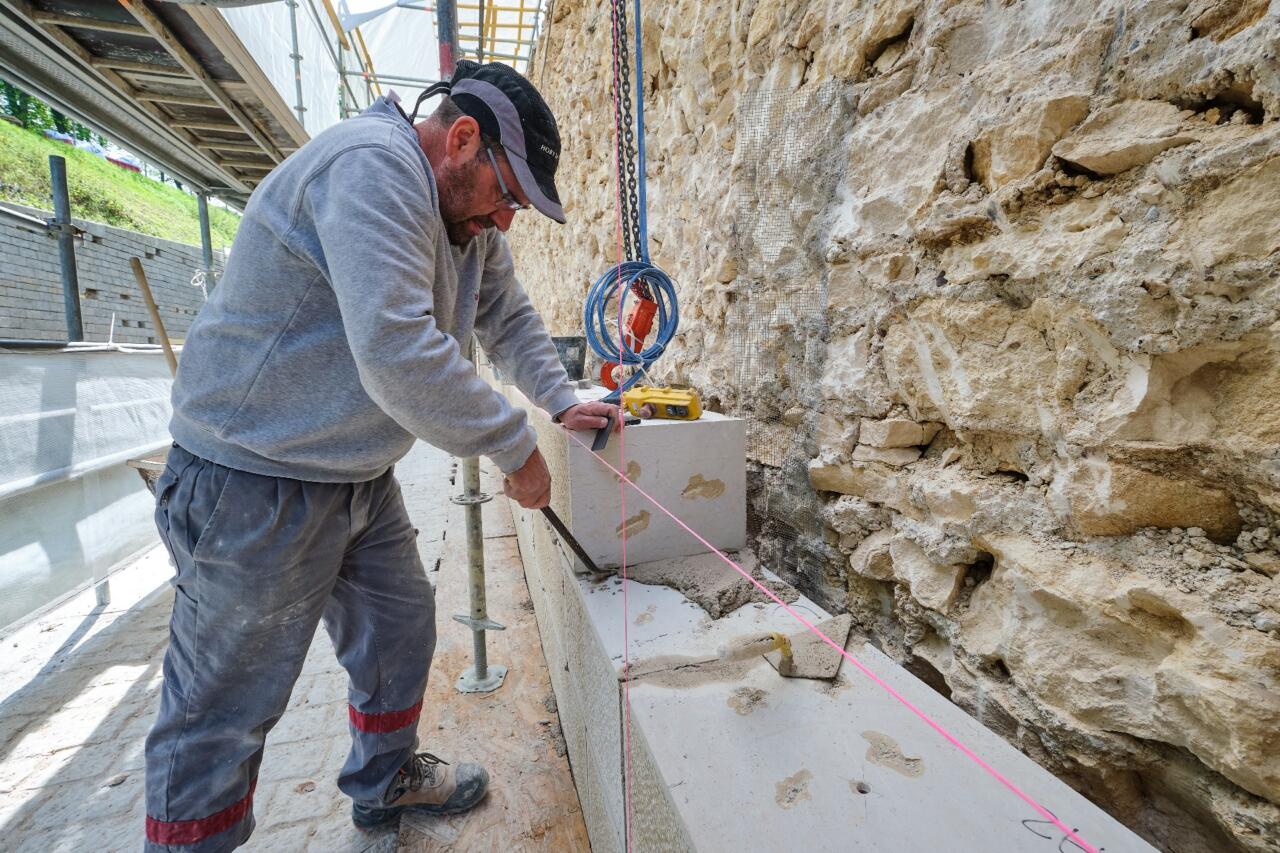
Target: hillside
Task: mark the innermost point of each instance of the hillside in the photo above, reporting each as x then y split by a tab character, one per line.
103	192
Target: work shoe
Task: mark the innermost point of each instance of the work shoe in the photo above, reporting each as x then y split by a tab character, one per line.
426	785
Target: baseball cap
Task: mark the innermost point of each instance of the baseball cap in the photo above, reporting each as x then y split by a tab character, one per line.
509	109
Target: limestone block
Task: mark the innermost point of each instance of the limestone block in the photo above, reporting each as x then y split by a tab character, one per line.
1113	499
871	558
1018	148
896	456
871	480
896	432
1119	137
696	469
934	585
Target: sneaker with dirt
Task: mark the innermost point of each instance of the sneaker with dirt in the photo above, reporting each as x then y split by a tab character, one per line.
427	785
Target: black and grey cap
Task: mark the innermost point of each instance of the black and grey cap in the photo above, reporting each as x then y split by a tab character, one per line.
509	109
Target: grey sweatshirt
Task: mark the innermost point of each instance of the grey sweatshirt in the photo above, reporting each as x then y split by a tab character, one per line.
333	338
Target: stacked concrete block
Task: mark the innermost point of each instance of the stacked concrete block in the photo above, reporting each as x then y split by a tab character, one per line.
31	282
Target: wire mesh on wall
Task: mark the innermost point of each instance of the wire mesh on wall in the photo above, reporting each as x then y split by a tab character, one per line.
787	164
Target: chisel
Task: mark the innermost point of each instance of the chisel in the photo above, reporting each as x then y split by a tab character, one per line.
559	527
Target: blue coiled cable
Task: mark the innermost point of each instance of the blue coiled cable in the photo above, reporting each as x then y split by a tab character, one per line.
624	276
620	279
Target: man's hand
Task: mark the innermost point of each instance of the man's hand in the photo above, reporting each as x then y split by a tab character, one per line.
530	484
591	416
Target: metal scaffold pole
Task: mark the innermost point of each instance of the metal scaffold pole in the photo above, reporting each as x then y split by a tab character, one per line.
66	248
481	677
206	241
447	35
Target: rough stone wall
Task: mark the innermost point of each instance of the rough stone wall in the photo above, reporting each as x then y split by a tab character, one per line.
998	284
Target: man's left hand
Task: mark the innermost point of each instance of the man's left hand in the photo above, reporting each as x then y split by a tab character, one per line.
591	416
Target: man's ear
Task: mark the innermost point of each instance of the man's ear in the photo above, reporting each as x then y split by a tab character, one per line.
463	141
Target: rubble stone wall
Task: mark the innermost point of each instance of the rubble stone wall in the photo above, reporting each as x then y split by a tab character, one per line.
998	283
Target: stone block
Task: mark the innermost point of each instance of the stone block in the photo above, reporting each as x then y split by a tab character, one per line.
872	557
1113	499
874	481
935	585
1018	148
1120	137
895	456
896	432
694	468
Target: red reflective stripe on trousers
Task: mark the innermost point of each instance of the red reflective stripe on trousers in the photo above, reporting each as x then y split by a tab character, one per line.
191	831
381	724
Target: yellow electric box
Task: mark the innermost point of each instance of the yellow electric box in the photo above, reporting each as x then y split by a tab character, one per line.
651	401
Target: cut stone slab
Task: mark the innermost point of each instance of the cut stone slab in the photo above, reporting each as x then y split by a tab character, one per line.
728	755
811	657
694	468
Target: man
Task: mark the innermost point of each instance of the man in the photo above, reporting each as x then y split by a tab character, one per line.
336	337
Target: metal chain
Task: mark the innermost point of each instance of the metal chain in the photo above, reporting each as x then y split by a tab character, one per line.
626	142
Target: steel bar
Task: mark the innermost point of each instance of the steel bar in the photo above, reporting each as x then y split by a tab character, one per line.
81	22
447	36
20	343
510	56
475	563
368	60
66	248
569	539
391	78
296	57
493	41
206	241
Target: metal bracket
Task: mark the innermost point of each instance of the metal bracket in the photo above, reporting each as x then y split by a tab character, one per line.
468	683
467	500
485	624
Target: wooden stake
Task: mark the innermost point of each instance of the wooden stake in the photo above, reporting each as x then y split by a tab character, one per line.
141	276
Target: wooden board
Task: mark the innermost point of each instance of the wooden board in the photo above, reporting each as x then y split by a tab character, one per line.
514	732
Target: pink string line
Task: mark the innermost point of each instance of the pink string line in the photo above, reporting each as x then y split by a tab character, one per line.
952	739
622	489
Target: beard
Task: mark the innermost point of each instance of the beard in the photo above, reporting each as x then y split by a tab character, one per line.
455	186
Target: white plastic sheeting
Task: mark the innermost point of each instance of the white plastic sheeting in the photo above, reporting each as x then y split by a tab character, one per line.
403	43
70	509
264	30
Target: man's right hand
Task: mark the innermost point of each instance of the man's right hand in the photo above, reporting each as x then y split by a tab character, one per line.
530	484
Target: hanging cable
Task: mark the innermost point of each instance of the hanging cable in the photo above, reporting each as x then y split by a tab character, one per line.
636	275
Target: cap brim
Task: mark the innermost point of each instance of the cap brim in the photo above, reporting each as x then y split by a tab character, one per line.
529	184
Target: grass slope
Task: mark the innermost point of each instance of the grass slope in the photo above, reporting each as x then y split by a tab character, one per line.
102	192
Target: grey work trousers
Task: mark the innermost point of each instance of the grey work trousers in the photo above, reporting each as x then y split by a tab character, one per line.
260	561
